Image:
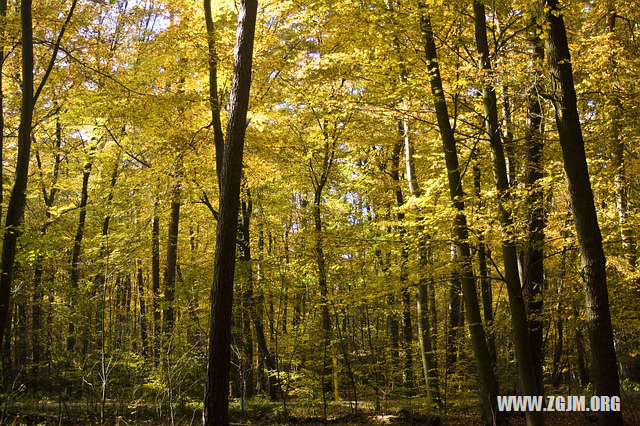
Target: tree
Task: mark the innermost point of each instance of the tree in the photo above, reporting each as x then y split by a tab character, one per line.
217	383
604	366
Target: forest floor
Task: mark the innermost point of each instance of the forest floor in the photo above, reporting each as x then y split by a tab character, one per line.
264	412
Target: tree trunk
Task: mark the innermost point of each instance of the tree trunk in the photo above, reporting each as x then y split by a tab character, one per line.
3	17
168	314
407	330
454	319
143	313
15	209
155	278
214	100
247	296
74	274
603	355
486	376
485	282
519	323
216	401
533	271
429	362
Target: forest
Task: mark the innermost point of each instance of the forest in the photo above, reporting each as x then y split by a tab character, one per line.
318	212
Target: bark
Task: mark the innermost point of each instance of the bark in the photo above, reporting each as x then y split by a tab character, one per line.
454	318
486	376
155	277
168	314
603	355
485	283
214	100
3	17
144	345
407	330
533	271
216	401
15	208
247	296
519	321
429	362
74	275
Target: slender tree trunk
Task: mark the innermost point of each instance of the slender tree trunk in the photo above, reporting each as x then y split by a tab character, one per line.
407	330
533	282
214	100
3	17
143	313
603	355
519	322
155	278
74	275
15	209
247	297
485	282
454	319
486	376
216	401
429	362
168	314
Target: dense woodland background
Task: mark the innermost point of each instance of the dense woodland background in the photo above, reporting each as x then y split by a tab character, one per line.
398	154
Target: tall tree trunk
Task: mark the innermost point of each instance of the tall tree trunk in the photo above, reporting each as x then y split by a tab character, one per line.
454	319
429	362
603	355
216	401
485	282
519	322
155	278
407	330
3	17
486	376
533	275
168	314
144	345
15	209
74	274
214	100
247	297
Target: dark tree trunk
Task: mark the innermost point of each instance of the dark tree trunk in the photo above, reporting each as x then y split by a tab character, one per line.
519	321
155	278
247	297
3	17
486	376
429	361
603	355
168	314
144	345
454	319
485	283
15	209
533	271
74	275
216	401
214	100
407	330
